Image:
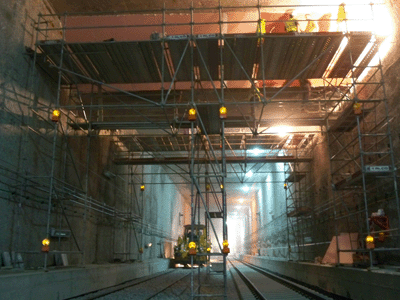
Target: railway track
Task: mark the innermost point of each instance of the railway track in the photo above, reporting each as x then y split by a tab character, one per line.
245	281
266	285
149	287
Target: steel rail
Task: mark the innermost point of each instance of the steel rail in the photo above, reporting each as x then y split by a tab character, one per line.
257	294
118	287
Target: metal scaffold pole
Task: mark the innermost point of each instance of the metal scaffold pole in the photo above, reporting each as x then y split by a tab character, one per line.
224	211
53	157
192	156
192	198
223	171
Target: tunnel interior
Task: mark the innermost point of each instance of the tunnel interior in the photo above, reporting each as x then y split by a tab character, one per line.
124	123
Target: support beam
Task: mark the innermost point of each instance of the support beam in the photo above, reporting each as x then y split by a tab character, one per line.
229	160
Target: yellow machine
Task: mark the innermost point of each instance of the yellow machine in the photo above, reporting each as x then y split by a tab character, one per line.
181	250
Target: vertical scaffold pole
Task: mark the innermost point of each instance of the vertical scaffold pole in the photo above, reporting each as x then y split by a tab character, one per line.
53	158
224	229
192	156
192	142
87	180
163	53
225	232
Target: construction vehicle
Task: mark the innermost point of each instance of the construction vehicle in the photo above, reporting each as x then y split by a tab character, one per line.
181	250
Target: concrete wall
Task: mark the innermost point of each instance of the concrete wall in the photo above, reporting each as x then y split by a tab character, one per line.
83	167
25	131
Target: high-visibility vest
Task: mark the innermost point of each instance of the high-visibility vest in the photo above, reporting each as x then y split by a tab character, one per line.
310	26
291	25
261	26
341	14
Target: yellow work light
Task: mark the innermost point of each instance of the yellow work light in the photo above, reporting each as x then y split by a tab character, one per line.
369	239
192	114
142	187
357	109
222	112
208	249
192	248
46	245
55	117
221	186
225	249
370	242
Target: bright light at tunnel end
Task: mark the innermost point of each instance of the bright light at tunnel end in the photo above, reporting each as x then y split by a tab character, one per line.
256	151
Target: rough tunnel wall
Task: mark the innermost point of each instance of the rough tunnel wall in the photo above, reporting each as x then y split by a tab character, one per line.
25	133
26	144
108	198
321	188
268	217
162	207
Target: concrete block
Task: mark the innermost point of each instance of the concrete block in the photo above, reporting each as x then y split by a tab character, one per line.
6	259
16	260
61	259
64	259
217	267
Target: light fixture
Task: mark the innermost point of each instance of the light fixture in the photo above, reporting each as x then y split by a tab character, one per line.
46	245
222	112
369	239
192	248
55	117
142	187
249	173
256	151
192	114
225	249
370	242
245	188
280	130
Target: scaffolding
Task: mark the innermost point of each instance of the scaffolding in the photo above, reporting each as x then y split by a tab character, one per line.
135	92
299	210
363	170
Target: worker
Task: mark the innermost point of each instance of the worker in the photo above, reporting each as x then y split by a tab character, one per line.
261	29
341	18
291	25
311	25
